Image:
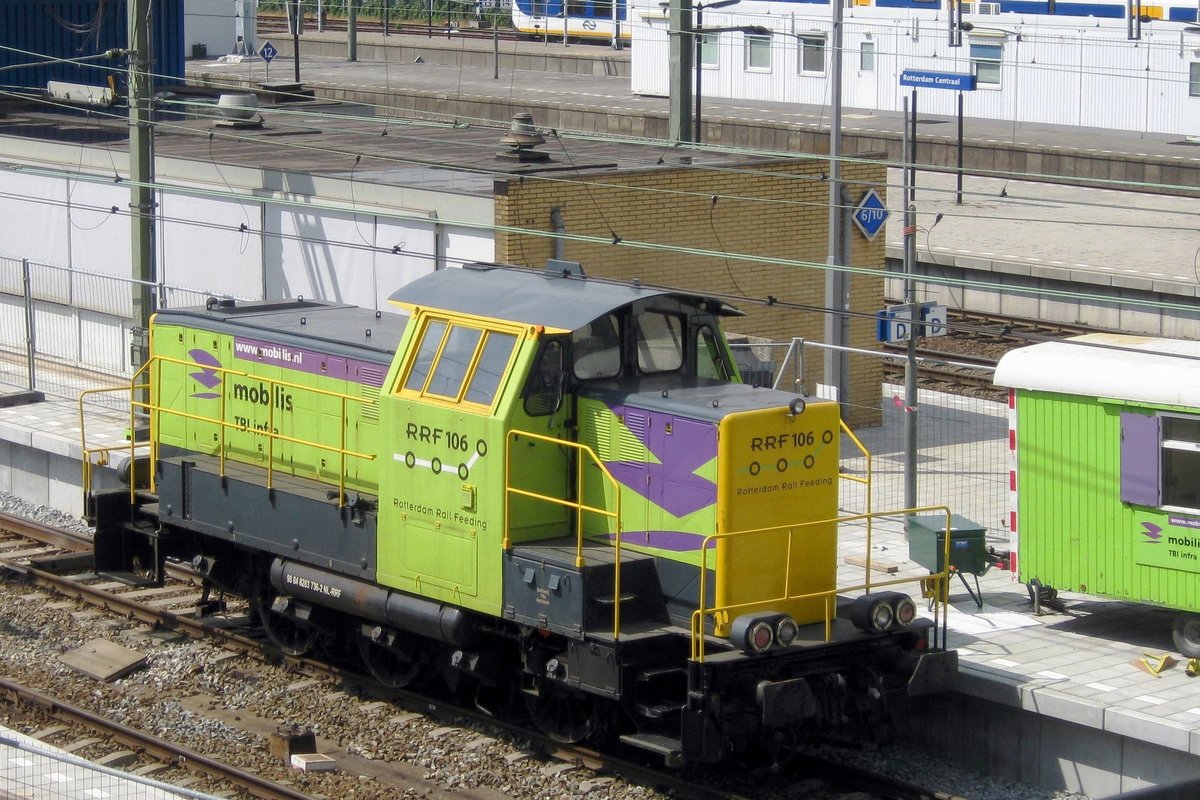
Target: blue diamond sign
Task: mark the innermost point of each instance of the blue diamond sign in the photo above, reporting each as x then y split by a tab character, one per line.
870	214
268	52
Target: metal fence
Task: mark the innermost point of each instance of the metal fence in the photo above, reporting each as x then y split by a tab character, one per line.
962	452
64	330
30	768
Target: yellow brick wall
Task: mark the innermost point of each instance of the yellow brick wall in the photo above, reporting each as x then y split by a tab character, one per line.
768	209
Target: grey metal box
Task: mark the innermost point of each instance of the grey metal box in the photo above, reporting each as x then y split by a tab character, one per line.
927	539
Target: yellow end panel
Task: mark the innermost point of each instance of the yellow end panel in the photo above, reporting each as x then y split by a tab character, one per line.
777	470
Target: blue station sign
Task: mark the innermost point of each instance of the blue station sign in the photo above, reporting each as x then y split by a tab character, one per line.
924	79
870	214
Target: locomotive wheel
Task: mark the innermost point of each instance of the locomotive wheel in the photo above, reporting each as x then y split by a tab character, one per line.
293	638
1185	631
565	715
394	665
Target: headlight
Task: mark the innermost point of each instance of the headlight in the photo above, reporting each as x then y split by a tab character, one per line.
872	613
757	633
785	630
876	613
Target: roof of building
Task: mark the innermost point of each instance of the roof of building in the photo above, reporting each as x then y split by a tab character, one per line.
347	142
1117	366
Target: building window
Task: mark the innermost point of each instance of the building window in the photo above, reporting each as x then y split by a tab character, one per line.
866	57
709	53
812	54
758	53
1194	79
985	63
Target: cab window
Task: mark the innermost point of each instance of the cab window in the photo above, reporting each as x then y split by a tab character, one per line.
710	363
460	363
659	340
596	348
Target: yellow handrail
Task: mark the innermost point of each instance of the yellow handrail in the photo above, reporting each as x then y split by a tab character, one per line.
579	505
939	579
154	409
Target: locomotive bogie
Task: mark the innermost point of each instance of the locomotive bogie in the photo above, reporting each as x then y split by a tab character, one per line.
545	489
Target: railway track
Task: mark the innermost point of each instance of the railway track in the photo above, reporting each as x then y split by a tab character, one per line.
965	360
60	562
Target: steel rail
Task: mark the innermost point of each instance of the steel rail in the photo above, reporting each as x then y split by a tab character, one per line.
154	746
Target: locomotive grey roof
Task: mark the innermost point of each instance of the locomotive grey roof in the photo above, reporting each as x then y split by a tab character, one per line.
553	299
341	329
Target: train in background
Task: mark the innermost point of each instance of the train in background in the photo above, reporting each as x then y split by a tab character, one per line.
594	20
600	21
551	493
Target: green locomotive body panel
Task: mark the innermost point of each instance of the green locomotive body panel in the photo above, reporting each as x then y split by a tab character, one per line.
308	373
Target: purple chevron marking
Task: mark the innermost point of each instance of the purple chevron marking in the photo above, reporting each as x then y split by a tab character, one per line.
672	482
205	377
677	541
1152	532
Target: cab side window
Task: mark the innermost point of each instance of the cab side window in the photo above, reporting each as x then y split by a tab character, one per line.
710	362
544	388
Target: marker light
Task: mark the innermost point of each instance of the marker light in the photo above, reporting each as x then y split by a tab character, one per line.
785	631
904	608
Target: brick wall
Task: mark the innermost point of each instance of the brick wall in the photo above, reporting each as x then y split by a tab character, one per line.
668	217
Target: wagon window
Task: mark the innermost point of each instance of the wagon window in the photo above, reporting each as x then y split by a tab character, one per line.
596	348
1181	462
709	361
459	363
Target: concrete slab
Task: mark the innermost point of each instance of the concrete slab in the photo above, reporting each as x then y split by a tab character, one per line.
104	660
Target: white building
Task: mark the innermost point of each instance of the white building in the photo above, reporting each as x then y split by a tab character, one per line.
1096	69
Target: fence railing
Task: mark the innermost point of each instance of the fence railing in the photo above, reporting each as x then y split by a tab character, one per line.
64	330
962	454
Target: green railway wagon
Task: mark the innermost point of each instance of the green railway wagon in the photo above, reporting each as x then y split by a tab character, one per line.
1106	469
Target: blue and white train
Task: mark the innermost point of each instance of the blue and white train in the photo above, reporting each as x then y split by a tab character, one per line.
588	20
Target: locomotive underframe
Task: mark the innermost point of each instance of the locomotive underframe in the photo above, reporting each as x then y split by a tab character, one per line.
561	615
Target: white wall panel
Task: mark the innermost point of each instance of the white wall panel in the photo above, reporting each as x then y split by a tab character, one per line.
203	248
33	218
323	255
100	237
417	243
464	245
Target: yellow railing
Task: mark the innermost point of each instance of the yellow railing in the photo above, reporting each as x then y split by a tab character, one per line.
864	479
101	456
933	585
579	505
154	409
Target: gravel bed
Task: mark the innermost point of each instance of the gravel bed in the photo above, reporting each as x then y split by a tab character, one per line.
180	674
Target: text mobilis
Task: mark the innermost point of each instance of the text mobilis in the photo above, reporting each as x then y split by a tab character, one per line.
263	395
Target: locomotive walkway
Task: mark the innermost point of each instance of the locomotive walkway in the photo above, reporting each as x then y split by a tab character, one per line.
1063	699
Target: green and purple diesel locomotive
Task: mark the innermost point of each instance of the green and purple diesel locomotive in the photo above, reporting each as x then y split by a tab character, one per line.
546	489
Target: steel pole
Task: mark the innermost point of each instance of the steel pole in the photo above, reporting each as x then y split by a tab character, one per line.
836	372
910	297
699	43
